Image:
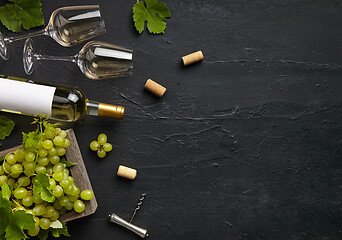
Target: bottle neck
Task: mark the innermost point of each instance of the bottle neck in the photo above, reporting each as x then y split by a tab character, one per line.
104	110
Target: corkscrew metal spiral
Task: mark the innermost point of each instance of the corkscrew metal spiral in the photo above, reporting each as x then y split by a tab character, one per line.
140	203
138	230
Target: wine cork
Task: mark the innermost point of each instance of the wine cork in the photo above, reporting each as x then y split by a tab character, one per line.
155	88
127	172
192	58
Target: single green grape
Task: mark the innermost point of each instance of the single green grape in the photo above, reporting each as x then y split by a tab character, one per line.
42	152
58	176
72	198
47	144
79	206
65	183
37	199
30	157
34	232
11	159
27	201
102	138
24	181
52	151
17	169
67	143
3	179
60	151
69	206
2	171
107	147
20	193
57	205
49	132
36	221
63	201
58	191
43	161
44	223
87	194
101	153
59	167
49	212
54	159
62	133
54	217
49	170
40	169
58	141
39	210
28	166
52	183
94	145
10	182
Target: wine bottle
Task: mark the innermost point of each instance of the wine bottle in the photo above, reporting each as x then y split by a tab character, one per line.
59	102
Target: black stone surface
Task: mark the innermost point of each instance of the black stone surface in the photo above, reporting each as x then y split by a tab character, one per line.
244	145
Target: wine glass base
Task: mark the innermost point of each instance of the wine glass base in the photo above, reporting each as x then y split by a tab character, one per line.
28	56
3	48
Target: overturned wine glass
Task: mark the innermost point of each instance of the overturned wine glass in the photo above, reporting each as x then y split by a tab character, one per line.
67	25
96	60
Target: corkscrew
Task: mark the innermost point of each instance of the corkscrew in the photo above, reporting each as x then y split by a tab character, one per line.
118	220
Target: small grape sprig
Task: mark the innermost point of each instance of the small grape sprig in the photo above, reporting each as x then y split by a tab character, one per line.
101	146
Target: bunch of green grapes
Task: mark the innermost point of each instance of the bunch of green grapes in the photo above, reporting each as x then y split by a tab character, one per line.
101	146
20	168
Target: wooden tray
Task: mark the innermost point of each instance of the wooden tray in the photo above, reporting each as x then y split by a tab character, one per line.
78	172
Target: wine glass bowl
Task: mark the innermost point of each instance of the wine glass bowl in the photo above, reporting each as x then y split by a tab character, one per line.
70	26
3	47
28	56
96	60
103	60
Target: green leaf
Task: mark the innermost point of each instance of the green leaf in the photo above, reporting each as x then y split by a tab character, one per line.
20	221
154	13
6	125
57	232
4	203
43	234
5	219
27	13
41	186
56	224
31	139
5	191
67	163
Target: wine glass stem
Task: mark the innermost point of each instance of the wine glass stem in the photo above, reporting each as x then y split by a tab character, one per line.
56	58
24	36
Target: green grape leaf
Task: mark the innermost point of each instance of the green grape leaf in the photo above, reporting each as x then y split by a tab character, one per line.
20	221
56	224
4	203
5	191
43	234
41	186
6	125
57	232
32	138
27	13
67	163
154	13
5	219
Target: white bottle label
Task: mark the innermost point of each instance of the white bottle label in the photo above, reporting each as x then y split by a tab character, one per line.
26	97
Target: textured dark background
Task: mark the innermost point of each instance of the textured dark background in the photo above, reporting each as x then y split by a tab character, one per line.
244	145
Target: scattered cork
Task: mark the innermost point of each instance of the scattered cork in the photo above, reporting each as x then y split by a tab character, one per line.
155	88
127	172
192	58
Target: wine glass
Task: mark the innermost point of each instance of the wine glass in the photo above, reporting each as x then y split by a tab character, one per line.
68	26
96	60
